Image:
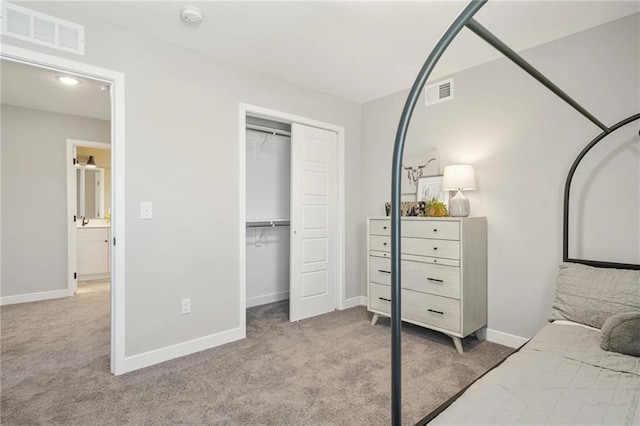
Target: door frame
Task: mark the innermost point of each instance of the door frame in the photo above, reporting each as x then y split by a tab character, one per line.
261	112
116	81
72	233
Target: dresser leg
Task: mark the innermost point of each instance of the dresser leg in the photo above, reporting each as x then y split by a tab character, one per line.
458	344
374	320
479	335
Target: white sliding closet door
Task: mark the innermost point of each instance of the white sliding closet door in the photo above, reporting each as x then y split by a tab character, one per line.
314	221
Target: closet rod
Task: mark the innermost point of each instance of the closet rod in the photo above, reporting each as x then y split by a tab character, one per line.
268	130
267	223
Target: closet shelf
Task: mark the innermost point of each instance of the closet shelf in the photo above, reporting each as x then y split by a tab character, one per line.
267	223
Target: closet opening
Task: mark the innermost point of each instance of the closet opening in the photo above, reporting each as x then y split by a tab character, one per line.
291	216
268	206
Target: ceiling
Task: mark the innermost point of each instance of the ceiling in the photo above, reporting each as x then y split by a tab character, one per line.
355	50
32	87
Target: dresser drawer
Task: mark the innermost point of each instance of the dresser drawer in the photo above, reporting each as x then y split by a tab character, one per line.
380	227
379	243
429	278
432	310
437	229
442	230
380	298
428	247
418	246
380	270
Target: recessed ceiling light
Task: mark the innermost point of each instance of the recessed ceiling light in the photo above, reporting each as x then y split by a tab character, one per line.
69	81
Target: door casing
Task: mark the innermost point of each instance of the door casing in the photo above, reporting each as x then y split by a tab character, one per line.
261	112
116	81
72	234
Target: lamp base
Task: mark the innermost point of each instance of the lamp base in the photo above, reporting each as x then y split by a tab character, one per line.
459	205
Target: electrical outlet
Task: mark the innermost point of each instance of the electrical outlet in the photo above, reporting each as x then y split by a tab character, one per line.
186	306
146	210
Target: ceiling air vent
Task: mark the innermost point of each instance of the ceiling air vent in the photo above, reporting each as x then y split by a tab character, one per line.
35	27
439	92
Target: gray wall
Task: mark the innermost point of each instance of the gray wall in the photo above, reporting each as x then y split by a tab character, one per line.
522	140
34	196
182	107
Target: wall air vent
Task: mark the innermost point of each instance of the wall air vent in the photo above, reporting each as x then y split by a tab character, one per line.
439	92
35	27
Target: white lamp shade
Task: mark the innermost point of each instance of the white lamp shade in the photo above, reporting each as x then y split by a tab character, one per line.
458	177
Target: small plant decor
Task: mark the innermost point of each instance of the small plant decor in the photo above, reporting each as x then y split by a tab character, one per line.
435	208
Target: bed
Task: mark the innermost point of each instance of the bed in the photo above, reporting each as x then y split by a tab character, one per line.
563	375
583	367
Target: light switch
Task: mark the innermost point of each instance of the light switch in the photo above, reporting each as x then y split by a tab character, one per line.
146	210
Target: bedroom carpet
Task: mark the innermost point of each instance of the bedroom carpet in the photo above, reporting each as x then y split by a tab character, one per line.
330	370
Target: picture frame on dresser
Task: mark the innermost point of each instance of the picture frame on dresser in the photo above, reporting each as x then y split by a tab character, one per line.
444	273
430	187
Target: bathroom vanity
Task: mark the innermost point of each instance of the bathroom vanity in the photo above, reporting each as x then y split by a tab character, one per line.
94	254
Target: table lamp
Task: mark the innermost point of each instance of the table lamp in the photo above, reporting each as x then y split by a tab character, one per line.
459	178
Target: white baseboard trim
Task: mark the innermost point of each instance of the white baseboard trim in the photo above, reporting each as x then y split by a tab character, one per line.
34	297
267	298
89	277
355	301
157	356
502	338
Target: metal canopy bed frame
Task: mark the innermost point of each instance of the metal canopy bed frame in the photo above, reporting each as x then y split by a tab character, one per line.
465	19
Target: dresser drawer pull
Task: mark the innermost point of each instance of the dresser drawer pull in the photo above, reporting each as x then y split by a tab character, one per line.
436	312
384	227
435	248
435	230
435	279
386	300
383	271
384	244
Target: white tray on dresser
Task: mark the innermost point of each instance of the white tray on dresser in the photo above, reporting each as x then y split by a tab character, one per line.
444	273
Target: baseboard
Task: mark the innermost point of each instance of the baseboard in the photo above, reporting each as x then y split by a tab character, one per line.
90	277
33	297
355	301
502	338
157	356
268	298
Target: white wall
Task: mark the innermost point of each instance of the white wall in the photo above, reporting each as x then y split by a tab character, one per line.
522	140
34	196
268	197
182	154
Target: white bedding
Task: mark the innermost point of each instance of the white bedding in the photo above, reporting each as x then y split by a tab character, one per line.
567	322
559	377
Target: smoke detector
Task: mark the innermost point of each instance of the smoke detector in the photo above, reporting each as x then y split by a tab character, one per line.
191	15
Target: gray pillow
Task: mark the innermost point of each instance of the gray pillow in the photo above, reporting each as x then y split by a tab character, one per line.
589	295
621	333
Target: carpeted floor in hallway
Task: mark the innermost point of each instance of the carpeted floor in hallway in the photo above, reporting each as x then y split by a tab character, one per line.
330	370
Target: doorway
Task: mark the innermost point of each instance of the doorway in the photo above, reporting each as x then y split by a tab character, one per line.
305	216
89	215
114	83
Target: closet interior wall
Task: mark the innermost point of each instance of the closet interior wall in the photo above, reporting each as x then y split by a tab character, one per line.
268	183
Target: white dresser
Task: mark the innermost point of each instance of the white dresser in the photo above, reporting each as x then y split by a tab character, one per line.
444	273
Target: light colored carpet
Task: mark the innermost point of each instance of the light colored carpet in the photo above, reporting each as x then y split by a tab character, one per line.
330	370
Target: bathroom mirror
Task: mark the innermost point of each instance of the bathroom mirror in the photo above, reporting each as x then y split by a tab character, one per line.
90	192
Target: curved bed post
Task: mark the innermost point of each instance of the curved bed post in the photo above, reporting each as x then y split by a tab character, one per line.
464	19
396	324
567	193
